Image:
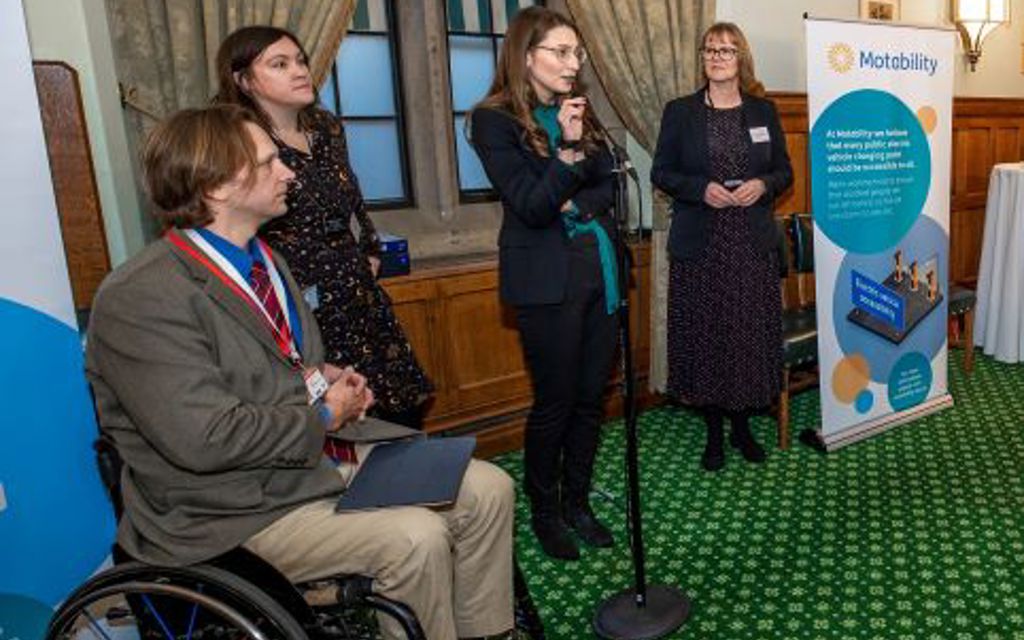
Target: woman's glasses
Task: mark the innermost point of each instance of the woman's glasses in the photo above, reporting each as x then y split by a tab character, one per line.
725	54
563	53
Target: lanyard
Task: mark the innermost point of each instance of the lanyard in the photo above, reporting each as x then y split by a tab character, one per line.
222	268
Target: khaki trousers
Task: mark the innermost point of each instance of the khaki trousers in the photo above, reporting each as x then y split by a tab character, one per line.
452	565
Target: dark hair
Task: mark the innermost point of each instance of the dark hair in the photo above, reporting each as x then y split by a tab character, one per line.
234	61
745	58
191	153
511	90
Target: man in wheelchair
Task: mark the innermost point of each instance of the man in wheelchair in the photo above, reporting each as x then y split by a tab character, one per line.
208	373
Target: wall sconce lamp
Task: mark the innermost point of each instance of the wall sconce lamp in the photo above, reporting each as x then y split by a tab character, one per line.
975	19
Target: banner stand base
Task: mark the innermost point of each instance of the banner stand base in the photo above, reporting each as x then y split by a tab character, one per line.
864	430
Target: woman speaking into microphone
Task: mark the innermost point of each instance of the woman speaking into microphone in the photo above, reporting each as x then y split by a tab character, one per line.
542	150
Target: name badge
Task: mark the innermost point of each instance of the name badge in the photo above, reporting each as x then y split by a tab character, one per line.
312	297
759	134
316	385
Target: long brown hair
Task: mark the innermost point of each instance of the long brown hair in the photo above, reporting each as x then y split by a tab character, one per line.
234	62
511	90
745	58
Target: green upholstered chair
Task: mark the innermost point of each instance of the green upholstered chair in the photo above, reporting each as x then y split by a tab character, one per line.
799	320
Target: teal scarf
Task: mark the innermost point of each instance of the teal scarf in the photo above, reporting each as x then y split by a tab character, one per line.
547	117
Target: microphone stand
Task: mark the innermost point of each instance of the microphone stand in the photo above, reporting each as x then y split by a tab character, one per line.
644	611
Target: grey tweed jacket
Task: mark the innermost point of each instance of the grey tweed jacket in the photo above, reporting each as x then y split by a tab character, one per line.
211	420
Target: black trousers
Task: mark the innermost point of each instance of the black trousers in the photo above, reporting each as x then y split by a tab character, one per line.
569	349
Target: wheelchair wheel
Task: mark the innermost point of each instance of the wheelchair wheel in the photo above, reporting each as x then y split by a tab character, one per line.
200	602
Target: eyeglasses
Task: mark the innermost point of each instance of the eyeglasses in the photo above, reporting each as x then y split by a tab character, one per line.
725	54
563	53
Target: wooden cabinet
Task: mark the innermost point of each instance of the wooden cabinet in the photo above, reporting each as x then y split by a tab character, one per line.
468	343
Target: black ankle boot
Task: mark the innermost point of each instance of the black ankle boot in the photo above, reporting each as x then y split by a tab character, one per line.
554	537
741	438
714	449
581	518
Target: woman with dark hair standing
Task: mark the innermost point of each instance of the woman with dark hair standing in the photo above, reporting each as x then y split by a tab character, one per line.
265	69
722	157
542	151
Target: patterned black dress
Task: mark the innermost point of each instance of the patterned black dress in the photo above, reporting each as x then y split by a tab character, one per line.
724	306
316	238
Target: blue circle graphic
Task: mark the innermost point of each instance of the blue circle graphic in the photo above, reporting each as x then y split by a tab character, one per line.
927	243
22	617
910	381
865	400
871	170
57	525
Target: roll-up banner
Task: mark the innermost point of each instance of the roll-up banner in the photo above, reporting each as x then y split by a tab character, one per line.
56	525
880	109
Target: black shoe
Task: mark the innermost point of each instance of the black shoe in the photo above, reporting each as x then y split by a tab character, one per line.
743	440
714	449
713	458
528	624
590	530
554	537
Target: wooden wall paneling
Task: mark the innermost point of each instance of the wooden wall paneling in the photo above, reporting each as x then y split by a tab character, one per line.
487	374
1007	144
978	159
792	109
415	305
797	199
640	311
74	181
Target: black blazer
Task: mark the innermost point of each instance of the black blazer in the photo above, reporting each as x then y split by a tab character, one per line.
533	249
681	170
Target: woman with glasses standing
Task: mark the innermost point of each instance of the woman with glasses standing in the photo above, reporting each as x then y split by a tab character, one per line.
722	157
541	148
265	69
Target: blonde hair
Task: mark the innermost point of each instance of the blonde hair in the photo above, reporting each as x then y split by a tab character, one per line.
745	58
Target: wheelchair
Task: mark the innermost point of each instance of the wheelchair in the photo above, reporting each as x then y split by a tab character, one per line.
220	599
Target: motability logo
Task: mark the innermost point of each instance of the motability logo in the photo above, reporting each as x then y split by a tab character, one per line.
842	58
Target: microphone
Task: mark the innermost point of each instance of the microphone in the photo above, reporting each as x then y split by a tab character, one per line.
618	152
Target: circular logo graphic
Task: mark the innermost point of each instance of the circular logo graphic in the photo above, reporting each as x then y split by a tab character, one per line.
57	524
928	118
22	618
871	170
840	57
910	381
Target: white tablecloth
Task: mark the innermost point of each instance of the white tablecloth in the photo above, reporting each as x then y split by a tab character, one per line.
999	316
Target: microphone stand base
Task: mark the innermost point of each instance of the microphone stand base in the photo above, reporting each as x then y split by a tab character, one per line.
619	617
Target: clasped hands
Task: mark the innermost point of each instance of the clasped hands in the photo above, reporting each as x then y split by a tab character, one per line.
717	196
348	396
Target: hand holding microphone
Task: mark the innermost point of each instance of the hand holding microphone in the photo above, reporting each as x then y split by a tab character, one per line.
570	117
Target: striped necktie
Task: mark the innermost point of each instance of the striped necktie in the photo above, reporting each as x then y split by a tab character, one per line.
259	279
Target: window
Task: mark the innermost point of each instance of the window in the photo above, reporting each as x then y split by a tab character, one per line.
365	88
475	32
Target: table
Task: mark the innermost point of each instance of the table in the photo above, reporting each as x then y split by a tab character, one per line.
999	318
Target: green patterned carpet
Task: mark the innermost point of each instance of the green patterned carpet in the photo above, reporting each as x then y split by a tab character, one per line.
916	534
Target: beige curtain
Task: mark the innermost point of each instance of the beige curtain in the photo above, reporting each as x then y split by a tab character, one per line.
165	50
645	53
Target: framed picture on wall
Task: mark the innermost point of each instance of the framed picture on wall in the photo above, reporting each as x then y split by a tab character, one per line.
888	10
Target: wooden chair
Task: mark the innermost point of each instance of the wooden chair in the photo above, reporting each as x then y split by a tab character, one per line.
799	319
961	316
